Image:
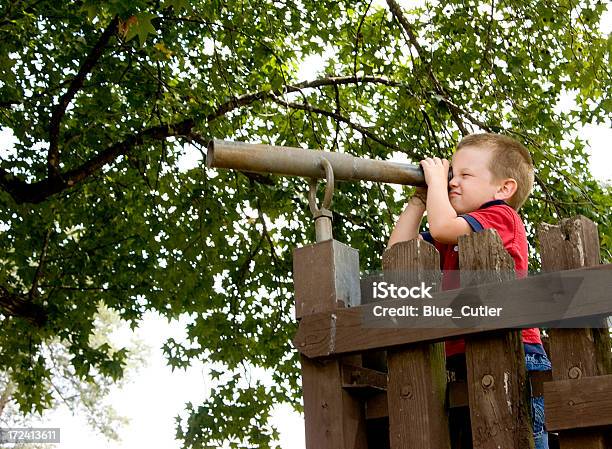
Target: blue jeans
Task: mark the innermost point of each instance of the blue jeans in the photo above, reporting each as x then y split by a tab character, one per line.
538	362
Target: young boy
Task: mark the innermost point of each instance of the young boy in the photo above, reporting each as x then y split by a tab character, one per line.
492	178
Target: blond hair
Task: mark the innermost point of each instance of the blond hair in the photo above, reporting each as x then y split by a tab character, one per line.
510	159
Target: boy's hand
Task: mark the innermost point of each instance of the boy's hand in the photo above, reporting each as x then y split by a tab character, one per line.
436	171
419	197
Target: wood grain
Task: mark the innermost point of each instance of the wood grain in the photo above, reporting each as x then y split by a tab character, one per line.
496	373
575	353
325	277
343	331
417	376
577	403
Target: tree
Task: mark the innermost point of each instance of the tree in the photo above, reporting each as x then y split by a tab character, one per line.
88	396
107	101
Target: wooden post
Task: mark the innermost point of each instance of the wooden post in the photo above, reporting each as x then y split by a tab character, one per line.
416	384
496	373
326	277
575	353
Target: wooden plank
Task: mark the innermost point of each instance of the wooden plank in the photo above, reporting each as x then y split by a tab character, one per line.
377	407
574	243
577	403
415	396
325	277
537	380
333	417
496	373
343	331
372	359
575	353
458	392
356	378
331	267
417	375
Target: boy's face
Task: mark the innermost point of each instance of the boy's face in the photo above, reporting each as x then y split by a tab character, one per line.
472	184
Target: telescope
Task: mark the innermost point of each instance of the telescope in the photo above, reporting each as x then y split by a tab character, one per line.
313	164
289	161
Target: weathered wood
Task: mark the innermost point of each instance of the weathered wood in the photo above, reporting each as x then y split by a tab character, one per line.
417	376
576	403
376	407
573	243
496	373
415	396
458	392
333	417
497	391
372	359
343	331
575	353
326	276
361	380
537	380
330	267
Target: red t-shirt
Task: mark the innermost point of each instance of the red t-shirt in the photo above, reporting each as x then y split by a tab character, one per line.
504	219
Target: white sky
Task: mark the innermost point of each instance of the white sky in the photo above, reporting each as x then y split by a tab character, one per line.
156	395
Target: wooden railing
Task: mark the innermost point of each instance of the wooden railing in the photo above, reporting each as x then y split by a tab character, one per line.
367	387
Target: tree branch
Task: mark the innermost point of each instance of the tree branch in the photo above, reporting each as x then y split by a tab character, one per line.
431	131
24	192
7	104
396	10
41	263
265	232
247	99
363	130
59	110
20	306
338	109
6	395
359	37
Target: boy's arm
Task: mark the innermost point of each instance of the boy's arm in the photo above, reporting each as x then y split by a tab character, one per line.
444	224
407	226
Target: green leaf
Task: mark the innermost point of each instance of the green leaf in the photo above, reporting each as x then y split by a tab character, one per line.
141	27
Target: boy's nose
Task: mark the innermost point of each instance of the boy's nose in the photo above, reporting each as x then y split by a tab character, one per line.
454	182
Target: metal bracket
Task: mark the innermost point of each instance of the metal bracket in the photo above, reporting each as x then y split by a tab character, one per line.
322	215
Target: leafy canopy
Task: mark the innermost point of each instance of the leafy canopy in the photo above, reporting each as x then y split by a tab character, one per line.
86	397
108	102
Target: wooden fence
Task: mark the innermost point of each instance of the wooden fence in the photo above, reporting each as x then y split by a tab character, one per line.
375	388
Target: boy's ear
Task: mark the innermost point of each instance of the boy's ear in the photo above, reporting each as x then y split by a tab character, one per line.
506	189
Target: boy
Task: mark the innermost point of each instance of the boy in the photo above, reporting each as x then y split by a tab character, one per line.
492	178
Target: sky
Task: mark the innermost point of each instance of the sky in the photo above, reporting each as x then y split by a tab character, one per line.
156	395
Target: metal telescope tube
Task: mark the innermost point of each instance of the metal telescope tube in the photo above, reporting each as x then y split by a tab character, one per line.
307	163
